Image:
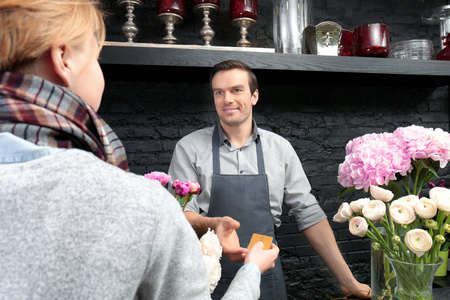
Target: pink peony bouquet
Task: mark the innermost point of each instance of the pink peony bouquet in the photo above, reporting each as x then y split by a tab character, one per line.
393	168
184	191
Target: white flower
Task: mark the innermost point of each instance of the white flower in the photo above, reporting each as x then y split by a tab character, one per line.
381	194
358	226
357	205
418	241
412	200
210	244
212	252
442	197
213	270
426	208
401	212
343	214
374	210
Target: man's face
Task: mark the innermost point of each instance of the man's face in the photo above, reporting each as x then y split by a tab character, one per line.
232	97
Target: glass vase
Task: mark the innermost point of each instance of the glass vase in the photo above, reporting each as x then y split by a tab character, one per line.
414	281
382	276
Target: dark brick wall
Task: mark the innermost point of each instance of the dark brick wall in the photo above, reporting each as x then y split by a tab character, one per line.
151	116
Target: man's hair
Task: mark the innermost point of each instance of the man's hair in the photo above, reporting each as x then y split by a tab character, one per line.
235	64
28	28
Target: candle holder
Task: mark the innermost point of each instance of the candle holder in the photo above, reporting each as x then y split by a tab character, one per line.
170	19
171	12
243	24
207	33
129	28
243	13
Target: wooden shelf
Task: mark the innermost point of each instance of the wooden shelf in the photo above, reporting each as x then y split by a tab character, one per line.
125	61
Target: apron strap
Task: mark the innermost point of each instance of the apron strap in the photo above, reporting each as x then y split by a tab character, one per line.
216	155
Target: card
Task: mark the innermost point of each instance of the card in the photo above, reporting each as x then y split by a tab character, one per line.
267	241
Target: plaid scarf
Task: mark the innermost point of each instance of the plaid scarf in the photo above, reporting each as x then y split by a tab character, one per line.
47	114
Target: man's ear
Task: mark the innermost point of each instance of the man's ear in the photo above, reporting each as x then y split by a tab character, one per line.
255	97
61	63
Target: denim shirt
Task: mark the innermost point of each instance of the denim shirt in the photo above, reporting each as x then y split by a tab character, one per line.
14	149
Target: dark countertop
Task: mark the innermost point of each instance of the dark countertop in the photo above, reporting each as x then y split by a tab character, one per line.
441	288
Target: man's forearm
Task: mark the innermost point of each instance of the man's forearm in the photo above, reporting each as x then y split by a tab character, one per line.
199	223
322	239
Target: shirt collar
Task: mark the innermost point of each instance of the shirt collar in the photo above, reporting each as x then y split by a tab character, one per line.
224	139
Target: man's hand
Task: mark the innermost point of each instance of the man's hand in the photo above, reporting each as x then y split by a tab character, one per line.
226	232
264	259
357	290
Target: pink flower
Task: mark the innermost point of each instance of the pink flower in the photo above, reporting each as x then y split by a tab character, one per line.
181	188
373	159
194	187
160	176
423	143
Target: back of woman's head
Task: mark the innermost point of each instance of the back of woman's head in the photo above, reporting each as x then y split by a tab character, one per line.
28	28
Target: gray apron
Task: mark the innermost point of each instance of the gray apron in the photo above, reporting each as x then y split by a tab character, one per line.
245	198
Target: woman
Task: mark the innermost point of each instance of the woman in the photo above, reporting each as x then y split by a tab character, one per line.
73	222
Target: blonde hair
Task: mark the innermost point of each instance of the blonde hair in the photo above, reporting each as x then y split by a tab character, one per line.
28	28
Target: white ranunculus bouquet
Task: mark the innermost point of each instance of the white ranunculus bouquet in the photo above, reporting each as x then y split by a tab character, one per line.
212	252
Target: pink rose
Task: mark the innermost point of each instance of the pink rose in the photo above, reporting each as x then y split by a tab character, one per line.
160	176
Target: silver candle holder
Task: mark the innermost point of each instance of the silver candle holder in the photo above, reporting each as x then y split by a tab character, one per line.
129	28
207	33
170	19
243	24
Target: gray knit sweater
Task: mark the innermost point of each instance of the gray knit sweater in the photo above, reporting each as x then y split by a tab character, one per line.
75	227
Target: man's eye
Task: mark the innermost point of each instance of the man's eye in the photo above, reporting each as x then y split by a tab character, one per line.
219	93
237	90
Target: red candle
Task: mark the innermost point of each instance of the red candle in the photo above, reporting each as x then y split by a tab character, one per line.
243	9
371	40
171	6
197	2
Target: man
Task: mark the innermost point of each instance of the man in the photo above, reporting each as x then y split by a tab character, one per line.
73	223
246	174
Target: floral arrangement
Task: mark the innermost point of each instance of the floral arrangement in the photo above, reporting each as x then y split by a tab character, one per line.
184	191
393	168
209	242
212	252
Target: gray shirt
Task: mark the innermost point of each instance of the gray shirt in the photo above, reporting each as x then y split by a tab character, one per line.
192	160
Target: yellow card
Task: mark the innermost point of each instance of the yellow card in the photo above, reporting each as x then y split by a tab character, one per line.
267	241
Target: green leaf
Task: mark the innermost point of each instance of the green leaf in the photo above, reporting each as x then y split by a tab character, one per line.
395	188
427	170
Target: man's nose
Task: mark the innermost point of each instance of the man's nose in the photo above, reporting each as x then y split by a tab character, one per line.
228	97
